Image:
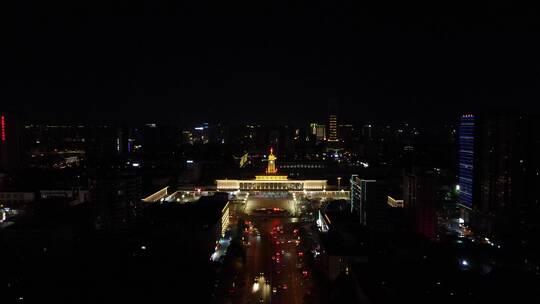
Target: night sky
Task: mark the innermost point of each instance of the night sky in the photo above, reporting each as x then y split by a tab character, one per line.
264	60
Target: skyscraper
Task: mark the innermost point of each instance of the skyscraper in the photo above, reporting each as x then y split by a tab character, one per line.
499	170
333	121
115	194
466	160
362	193
419	193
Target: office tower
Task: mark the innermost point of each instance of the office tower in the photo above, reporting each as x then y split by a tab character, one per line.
466	133
499	170
363	193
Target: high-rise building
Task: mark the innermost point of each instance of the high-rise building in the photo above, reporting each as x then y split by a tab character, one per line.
346	133
369	200
361	195
116	196
10	141
499	169
466	160
201	133
367	131
419	193
333	121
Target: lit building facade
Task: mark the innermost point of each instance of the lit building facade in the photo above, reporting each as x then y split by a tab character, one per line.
466	160
499	171
271	181
332	127
359	196
333	121
318	130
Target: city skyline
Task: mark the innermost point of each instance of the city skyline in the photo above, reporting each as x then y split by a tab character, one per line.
270	152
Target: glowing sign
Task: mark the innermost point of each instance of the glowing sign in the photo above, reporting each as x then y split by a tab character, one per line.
3	127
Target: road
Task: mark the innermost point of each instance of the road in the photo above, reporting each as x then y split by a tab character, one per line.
274	272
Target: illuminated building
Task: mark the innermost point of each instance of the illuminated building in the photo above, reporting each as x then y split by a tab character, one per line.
360	195
270	181
499	171
319	130
332	127
333	121
369	200
466	160
419	192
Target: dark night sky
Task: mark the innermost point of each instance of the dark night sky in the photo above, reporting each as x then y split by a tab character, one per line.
168	60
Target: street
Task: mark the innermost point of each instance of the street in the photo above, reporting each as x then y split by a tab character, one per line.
274	270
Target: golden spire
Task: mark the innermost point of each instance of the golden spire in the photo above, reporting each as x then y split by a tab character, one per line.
271	169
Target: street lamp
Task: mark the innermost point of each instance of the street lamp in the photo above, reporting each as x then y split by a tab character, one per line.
339	183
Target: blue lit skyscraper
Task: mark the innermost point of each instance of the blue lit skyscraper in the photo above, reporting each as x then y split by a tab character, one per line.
466	160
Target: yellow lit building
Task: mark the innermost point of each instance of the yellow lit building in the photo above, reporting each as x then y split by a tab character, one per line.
270	181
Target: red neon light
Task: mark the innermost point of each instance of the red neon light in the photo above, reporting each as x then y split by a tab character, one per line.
3	126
